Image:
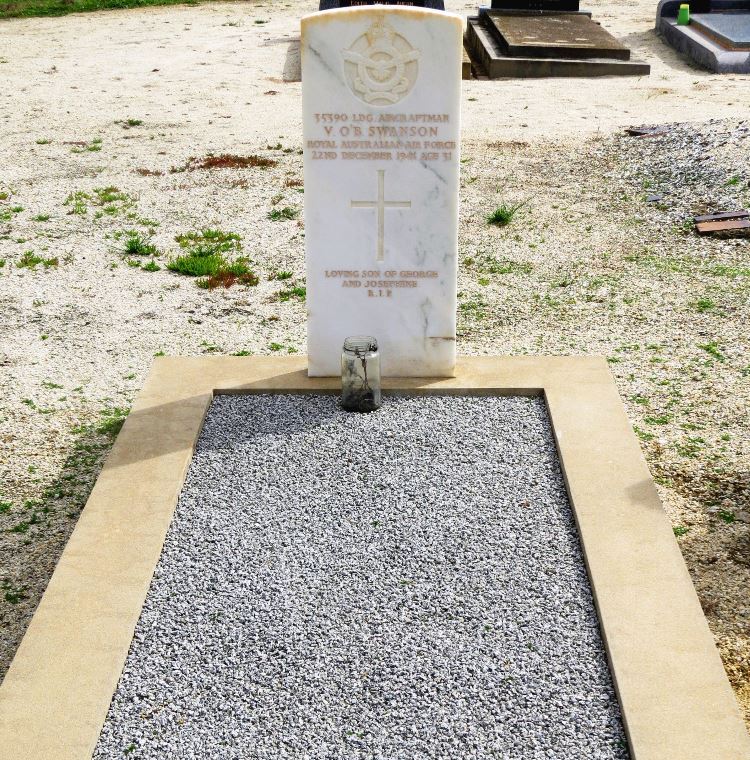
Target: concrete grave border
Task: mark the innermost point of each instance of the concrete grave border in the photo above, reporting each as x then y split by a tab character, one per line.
676	700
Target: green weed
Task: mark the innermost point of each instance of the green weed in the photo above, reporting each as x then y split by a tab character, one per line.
703	305
137	245
218	240
197	264
14	594
503	214
721	270
287	213
78	201
29	260
298	292
112	421
713	349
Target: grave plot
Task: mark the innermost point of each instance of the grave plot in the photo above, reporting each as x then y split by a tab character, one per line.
305	609
403	584
716	35
544	38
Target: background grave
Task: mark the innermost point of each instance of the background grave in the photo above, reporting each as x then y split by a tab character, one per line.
529	38
717	37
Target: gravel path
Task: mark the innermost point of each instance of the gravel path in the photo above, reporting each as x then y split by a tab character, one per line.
407	584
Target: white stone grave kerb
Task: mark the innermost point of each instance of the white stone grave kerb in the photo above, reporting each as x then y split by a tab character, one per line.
381	101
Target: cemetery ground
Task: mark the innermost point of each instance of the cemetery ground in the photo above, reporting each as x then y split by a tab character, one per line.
152	157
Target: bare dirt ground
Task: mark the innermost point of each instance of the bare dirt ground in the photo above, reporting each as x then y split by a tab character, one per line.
587	266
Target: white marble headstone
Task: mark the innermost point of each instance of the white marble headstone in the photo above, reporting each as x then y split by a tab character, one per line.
381	99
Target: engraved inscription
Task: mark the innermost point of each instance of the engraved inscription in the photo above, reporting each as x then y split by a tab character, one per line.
381	66
381	204
380	284
381	137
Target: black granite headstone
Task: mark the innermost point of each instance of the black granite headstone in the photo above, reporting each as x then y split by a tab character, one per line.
563	6
327	5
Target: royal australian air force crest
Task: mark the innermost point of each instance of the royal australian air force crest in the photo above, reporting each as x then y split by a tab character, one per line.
381	66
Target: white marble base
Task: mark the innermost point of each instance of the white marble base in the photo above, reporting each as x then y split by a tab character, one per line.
381	99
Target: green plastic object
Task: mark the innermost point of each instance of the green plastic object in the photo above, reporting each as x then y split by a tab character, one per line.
683	15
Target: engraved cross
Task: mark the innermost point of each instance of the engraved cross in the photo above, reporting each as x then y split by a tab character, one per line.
381	204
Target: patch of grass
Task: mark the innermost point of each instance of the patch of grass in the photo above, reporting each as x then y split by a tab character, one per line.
503	214
721	270
474	308
680	530
691	447
703	305
91	146
713	349
6	214
218	240
78	202
205	258
24	525
197	264
286	213
134	122
642	434
112	421
224	161
151	266
40	218
275	347
733	181
43	140
29	260
111	200
14	594
726	516
283	275
662	419
298	292
137	245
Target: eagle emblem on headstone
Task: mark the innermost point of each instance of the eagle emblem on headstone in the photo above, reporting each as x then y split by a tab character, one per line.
381	66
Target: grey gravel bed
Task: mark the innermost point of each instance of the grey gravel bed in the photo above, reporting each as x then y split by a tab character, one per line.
405	584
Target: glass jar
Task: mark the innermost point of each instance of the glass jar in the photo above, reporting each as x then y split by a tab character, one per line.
360	374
